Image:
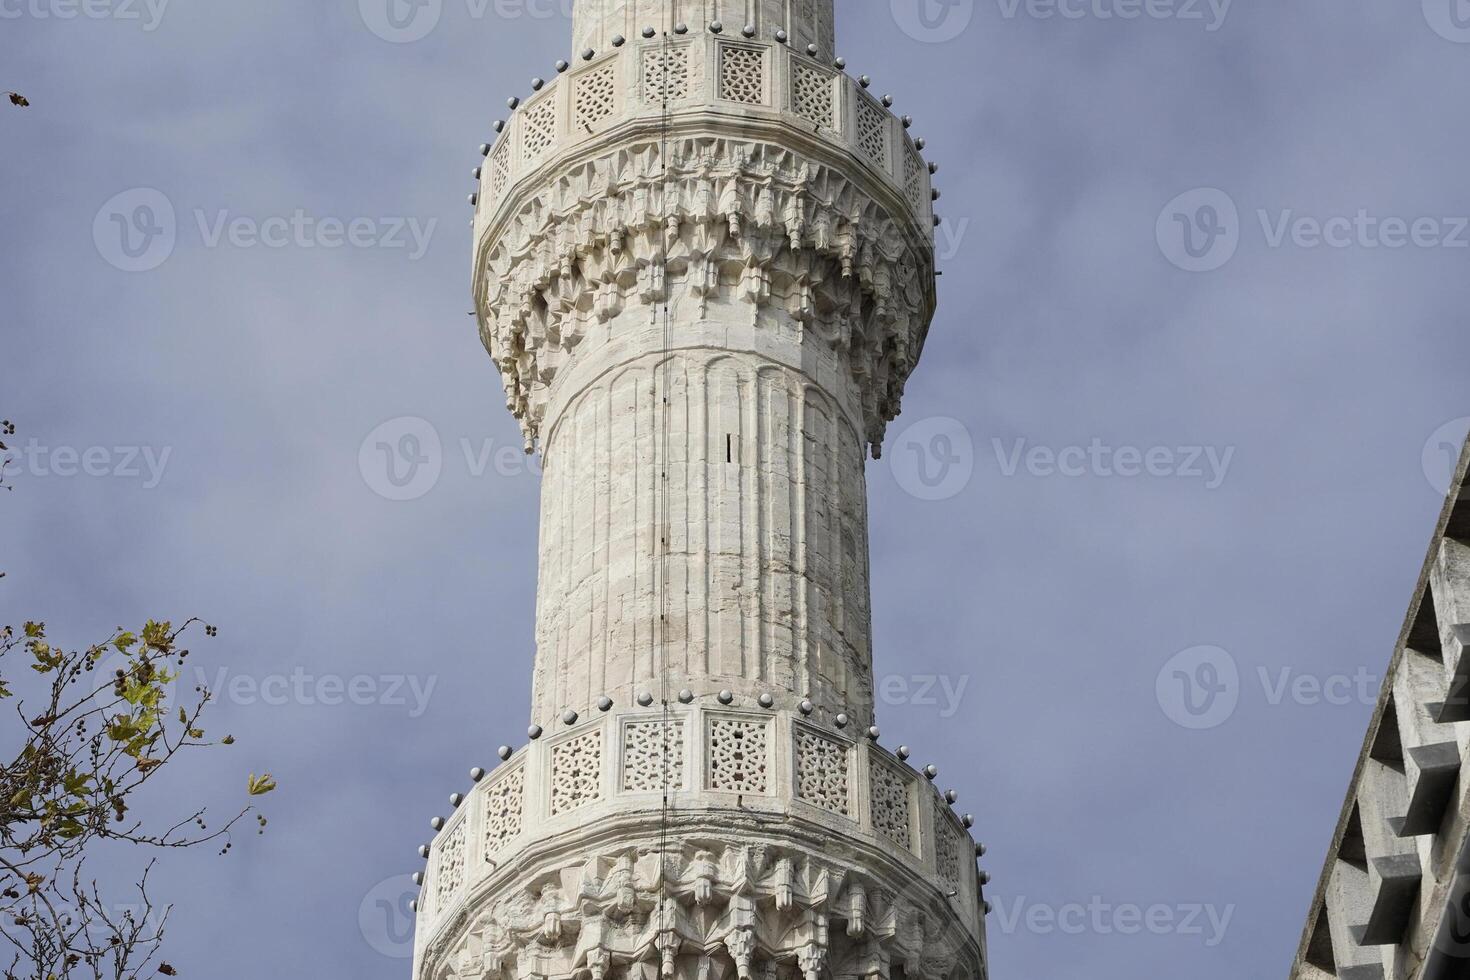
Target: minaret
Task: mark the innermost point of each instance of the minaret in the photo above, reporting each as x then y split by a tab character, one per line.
703	263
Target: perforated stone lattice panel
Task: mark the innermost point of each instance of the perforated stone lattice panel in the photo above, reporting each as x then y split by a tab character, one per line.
872	130
742	75
576	772
738	755
500	169
811	94
665	74
913	178
890	811
946	849
596	98
821	771
647	758
538	128
449	874
504	807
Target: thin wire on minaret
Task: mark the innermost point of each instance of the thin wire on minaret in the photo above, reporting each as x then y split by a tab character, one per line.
661	494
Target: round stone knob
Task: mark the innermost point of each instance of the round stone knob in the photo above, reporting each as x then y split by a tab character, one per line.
476	774
933	167
455	799
968	820
618	40
865	81
561	65
726	697
920	143
504	752
424	851
985	907
686	696
512	102
484	149
932	772
649	32
716	27
681	28
934	194
840	64
413	906
812	50
766	700
437	823
980	850
645	699
587	54
841	720
475	173
499	125
903	752
806	707
474	199
537	83
748	30
534	731
418	877
604	703
985	877
781	36
569	717
873	733
951	797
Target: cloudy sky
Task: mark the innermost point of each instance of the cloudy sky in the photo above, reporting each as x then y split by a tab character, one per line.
1228	240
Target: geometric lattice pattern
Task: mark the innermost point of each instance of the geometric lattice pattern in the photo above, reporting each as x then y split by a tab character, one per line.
450	873
666	74
913	178
742	75
737	755
872	129
596	98
538	128
811	95
946	849
891	812
647	765
821	771
500	169
504	802
576	772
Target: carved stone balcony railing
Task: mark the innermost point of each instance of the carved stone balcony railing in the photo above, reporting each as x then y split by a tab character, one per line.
703	78
724	766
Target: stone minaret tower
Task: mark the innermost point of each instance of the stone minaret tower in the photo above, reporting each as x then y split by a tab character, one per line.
704	267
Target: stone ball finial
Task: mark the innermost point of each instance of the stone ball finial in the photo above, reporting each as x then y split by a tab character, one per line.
748	30
504	752
841	720
604	703
840	64
874	733
980	850
686	696
888	101
968	820
499	125
418	878
476	774
951	797
537	83
781	36
512	102
424	851
534	731
865	81
569	717
437	823
561	65
806	707
931	772
484	149
588	54
766	700
812	50
681	28
618	40
716	27
645	699
455	800
727	696
649	32
903	752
